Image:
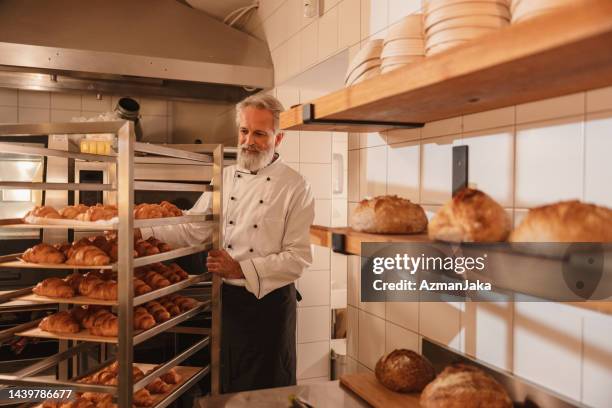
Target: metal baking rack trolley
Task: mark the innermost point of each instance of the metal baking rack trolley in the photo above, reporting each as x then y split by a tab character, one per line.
71	345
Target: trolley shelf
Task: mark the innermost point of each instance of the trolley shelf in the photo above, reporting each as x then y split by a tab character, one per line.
13	261
18	223
139	335
138	300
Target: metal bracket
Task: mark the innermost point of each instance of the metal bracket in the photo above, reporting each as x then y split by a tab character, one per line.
308	117
338	243
460	168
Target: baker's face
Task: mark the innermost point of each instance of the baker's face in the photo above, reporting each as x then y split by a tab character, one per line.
257	129
256	138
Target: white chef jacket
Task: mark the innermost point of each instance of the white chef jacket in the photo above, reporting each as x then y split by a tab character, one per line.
266	225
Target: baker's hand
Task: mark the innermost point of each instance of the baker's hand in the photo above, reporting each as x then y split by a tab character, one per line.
221	263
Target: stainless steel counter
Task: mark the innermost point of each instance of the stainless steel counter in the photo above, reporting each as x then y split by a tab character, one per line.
327	394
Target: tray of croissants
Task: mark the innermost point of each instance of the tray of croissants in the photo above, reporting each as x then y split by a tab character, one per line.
155	392
96	251
103	215
101	287
99	323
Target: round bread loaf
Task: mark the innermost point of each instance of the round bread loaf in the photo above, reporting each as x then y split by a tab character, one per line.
464	386
471	216
389	215
566	221
404	371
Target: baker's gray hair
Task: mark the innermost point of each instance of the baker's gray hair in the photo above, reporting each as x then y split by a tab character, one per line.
262	101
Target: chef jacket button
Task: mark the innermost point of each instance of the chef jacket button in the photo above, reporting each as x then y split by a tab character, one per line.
260	201
268	179
231	222
239	175
232	198
250	249
255	226
229	247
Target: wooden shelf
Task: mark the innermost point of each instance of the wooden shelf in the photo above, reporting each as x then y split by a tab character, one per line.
511	280
322	236
552	55
367	387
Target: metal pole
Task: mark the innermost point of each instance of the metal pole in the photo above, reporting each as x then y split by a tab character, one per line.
125	183
217	241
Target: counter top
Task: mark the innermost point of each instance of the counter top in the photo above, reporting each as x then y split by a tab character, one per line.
328	394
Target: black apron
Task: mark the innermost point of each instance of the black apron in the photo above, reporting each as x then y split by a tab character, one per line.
257	339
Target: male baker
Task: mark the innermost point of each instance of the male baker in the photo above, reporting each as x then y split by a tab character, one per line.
267	210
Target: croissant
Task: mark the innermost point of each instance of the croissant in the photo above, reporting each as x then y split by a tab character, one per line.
88	283
173	309
92	316
162	246
63	248
78	403
158	311
76	245
54	287
61	322
179	271
171	377
72	211
184	303
104	290
171	209
74	280
106	325
99	212
101	242
143	398
144	248
113	376
140	287
78	313
88	255
43	253
99	398
158	386
50	404
143	320
44	212
155	280
143	211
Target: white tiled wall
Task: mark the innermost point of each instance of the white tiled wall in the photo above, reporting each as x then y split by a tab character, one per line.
522	155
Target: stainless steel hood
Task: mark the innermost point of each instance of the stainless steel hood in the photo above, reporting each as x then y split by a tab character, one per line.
149	44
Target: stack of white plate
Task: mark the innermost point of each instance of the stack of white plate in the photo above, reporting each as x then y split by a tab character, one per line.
449	23
404	43
526	9
366	63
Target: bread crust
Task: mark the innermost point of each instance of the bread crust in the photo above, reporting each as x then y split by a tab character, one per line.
389	215
471	216
464	386
565	221
404	371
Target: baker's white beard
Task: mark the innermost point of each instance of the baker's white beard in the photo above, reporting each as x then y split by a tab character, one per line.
254	161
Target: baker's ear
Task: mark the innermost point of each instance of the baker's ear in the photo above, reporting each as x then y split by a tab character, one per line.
279	138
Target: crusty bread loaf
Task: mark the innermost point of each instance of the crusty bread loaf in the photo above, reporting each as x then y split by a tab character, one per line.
464	386
471	216
389	215
404	371
566	221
